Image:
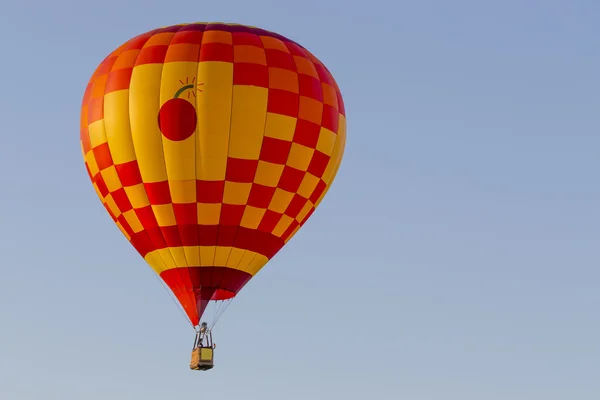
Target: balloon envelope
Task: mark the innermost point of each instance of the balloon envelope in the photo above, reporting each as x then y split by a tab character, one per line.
210	145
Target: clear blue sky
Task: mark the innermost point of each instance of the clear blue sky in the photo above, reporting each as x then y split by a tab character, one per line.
460	243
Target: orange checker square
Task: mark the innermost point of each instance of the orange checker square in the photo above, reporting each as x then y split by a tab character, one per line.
95	109
126	59
118	80
329	95
216	36
183	52
310	110
102	156
249	54
305	66
274	44
283	102
283	79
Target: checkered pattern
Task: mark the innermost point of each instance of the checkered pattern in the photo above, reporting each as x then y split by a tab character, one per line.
269	140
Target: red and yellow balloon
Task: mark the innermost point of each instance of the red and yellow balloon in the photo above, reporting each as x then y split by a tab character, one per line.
210	145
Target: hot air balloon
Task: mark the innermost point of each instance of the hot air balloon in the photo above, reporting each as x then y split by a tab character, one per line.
210	145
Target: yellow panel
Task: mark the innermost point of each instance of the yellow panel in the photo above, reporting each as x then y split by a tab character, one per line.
180	156
280	126
116	121
183	191
221	255
300	156
268	174
165	216
155	262
281	200
246	260
166	256
308	185
236	193
133	220
111	178
258	262
252	217
192	255
326	141
207	255
178	254
208	214
304	212
336	158
247	121
282	225
137	195
214	114
110	202
97	133
144	102
91	163
235	257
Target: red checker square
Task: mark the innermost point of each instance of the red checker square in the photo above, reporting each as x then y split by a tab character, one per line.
106	65
114	218
231	214
226	235
260	196
275	151
240	170
289	230
250	74
146	217
125	225
189	234
207	235
191	37
283	102
129	173
307	133
318	164
158	192
171	235
142	243
102	188
310	87
331	118
121	200
295	49
269	221
102	156
295	206
210	191
341	103
137	43
118	80
324	75
321	186
95	109
185	213
280	59
245	38
216	52
291	178
152	55
157	237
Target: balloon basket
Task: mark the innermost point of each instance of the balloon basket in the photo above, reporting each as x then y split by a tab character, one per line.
202	359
